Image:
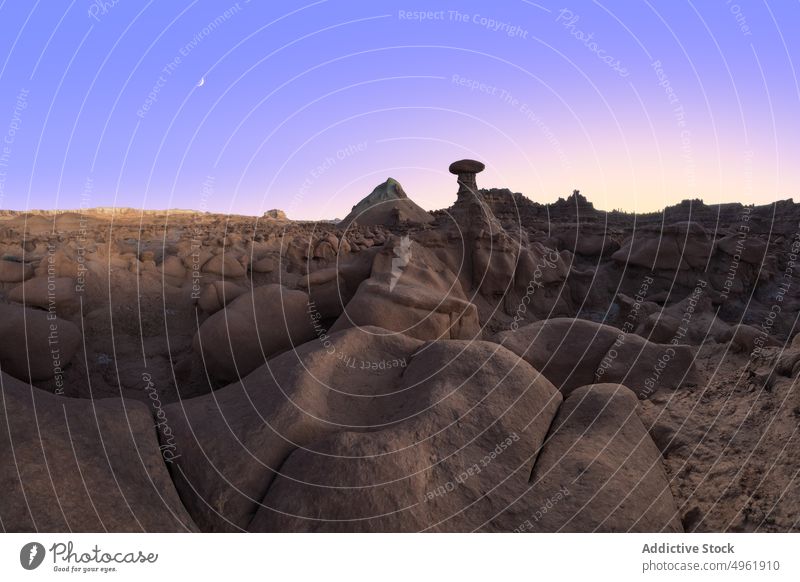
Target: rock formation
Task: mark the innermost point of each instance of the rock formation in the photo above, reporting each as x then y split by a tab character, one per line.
238	339
466	170
401	370
69	464
275	214
386	205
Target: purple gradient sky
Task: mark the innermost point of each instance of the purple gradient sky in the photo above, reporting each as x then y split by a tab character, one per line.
289	85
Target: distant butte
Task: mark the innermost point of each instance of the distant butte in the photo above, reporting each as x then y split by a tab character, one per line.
387	205
275	214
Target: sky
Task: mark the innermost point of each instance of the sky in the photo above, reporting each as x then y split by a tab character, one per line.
240	107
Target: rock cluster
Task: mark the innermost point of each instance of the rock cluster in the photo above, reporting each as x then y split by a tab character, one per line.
400	442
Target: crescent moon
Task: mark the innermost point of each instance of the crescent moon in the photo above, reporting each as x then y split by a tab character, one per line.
201	82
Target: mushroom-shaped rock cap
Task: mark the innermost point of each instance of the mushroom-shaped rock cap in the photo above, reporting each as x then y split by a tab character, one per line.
466	167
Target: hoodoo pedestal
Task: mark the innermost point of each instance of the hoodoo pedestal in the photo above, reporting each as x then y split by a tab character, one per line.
466	170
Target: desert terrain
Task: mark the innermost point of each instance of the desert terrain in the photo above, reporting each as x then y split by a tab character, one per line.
499	365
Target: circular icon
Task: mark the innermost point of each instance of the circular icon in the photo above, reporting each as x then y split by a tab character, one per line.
31	555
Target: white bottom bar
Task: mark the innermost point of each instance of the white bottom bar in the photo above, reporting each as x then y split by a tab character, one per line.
389	557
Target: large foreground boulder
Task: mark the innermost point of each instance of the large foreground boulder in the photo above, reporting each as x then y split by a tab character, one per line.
456	451
236	340
599	470
72	465
36	344
575	352
13	271
57	293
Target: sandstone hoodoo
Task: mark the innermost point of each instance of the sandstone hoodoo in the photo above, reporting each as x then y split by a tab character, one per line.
387	205
499	365
466	171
